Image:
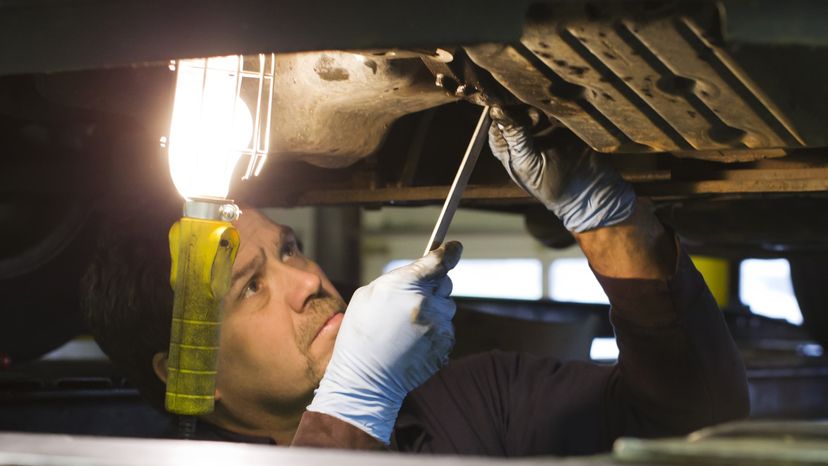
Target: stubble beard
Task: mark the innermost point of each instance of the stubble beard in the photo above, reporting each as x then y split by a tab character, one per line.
321	309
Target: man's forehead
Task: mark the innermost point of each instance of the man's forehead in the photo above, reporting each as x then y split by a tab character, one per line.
253	225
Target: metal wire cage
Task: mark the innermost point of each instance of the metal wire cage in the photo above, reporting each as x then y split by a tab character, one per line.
222	113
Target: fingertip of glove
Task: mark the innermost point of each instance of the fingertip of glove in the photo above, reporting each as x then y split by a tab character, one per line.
501	116
497	113
452	251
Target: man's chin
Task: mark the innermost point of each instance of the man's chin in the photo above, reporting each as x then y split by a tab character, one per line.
320	356
322	346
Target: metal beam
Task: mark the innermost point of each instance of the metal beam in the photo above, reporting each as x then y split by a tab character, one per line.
56	35
684	179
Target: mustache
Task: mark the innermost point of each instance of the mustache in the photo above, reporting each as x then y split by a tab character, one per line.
319	308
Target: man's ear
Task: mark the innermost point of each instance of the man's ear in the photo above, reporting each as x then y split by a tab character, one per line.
159	365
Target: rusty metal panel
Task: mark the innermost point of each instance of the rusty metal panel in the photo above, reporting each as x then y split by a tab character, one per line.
634	80
640	77
686	56
570	60
333	108
531	84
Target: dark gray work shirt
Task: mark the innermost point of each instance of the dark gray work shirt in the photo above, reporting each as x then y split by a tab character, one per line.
678	370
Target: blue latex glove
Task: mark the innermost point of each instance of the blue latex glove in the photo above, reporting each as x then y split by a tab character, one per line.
569	179
396	334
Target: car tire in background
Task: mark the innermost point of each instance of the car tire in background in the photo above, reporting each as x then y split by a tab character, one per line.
45	246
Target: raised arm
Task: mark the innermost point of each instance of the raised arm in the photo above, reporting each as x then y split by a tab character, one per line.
678	368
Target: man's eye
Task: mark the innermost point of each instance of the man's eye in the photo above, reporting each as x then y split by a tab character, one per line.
252	287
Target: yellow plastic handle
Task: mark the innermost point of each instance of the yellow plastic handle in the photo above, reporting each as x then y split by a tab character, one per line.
203	252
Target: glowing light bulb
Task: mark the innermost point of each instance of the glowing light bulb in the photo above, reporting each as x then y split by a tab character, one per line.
211	127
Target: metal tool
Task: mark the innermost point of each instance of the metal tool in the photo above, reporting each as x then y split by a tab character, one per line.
460	181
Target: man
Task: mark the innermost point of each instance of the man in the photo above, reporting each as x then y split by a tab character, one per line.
294	370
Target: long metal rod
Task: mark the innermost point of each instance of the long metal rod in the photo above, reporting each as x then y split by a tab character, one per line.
460	181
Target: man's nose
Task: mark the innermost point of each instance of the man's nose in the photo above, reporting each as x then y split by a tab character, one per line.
301	285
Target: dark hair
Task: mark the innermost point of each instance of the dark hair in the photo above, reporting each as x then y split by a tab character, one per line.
126	294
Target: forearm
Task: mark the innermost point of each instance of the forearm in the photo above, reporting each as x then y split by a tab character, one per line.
678	365
638	247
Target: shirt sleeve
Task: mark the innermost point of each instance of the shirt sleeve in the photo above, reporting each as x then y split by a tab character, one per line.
678	370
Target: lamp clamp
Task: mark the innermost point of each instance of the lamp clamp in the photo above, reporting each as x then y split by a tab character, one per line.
212	209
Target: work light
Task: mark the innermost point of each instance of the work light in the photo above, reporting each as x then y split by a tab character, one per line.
221	113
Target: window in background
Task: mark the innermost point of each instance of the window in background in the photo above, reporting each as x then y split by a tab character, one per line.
571	280
603	349
765	286
493	278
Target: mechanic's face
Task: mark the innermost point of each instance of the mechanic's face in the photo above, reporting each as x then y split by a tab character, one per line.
277	334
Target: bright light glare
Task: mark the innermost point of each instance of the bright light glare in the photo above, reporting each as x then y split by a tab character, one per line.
603	349
571	280
493	278
765	286
210	128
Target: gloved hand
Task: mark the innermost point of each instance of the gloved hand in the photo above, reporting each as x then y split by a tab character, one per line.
396	334
568	178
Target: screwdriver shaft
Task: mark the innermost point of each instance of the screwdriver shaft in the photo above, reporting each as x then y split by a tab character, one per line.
460	181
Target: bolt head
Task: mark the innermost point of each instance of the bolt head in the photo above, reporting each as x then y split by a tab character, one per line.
229	212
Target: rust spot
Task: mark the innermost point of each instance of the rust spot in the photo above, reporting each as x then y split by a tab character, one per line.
691	114
543	54
608	97
559	62
327	70
609	56
578	70
543	44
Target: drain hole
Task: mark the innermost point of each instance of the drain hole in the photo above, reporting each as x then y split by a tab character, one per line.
567	91
724	134
676	84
